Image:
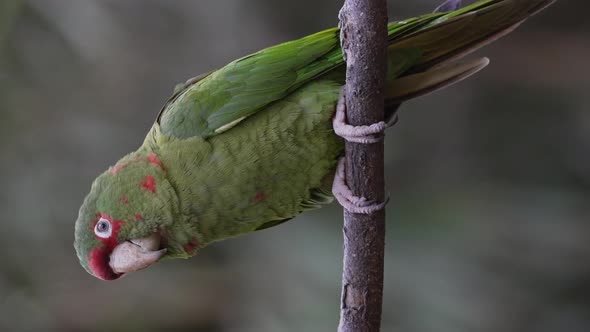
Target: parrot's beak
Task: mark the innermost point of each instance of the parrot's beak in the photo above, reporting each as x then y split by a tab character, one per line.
136	254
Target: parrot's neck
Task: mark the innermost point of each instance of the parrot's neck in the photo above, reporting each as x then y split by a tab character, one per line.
162	211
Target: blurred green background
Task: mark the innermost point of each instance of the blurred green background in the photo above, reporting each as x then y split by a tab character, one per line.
489	219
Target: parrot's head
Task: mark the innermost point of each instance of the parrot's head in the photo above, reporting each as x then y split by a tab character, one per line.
124	221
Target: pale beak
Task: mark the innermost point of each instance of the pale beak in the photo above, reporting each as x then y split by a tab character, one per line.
136	254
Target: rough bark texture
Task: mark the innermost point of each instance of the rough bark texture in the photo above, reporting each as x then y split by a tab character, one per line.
364	37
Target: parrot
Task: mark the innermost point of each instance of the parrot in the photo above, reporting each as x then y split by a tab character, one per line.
252	145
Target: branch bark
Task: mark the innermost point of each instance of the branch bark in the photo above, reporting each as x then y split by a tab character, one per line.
363	26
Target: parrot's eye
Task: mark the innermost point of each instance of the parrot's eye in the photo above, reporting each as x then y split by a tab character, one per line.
103	228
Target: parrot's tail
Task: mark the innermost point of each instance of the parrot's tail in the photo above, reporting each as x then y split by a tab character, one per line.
438	44
419	84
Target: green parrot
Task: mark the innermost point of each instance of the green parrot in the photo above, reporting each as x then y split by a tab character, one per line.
252	145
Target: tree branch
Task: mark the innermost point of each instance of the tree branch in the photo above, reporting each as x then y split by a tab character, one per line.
364	36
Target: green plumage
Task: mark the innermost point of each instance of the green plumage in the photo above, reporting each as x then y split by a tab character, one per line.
251	145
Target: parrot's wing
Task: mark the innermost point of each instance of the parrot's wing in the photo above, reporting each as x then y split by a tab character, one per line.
242	87
220	100
217	101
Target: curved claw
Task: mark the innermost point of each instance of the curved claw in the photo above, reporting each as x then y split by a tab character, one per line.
358	134
348	200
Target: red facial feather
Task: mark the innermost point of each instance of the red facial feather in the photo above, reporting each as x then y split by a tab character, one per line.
98	261
148	183
98	258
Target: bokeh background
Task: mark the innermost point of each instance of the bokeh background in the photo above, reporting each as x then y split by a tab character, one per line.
488	225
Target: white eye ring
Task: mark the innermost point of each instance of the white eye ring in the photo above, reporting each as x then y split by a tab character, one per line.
103	228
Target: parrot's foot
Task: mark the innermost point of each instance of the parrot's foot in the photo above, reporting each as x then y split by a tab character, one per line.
347	199
357	134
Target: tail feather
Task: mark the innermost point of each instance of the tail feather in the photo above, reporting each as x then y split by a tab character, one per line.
440	41
419	84
462	32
